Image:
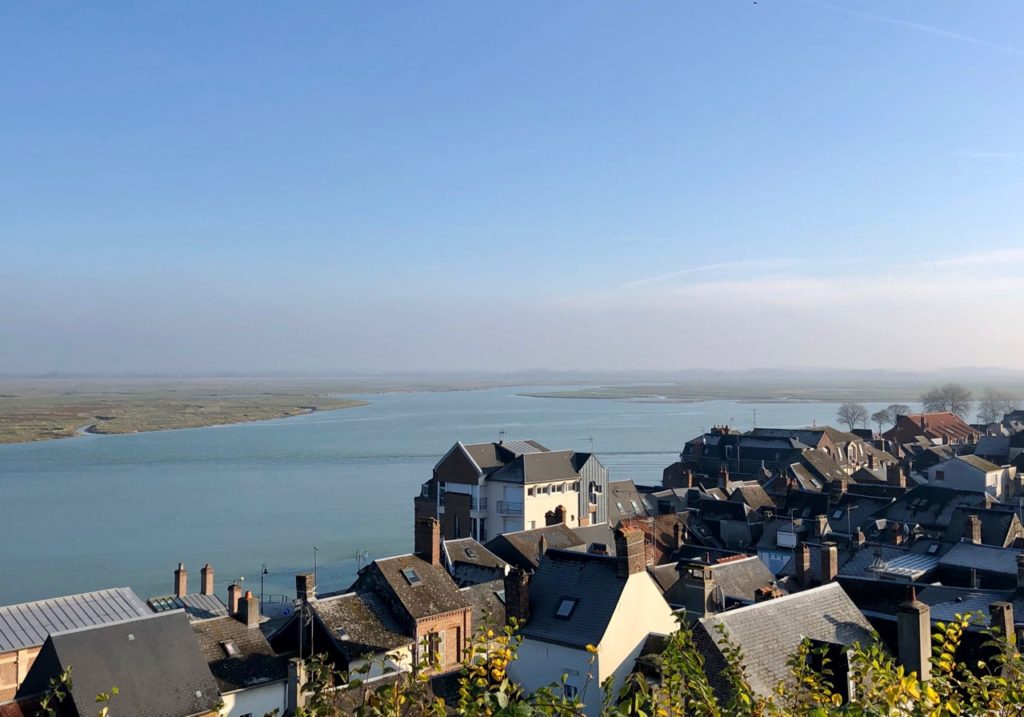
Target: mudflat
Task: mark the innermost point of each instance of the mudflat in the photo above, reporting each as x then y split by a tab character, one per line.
41	409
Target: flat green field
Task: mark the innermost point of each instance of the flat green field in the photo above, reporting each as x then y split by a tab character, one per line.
40	409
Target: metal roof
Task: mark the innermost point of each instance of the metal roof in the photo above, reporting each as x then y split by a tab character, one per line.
28	624
197	605
911	565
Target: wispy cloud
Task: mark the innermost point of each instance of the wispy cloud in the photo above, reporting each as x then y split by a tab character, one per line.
971	154
920	27
993	258
706	269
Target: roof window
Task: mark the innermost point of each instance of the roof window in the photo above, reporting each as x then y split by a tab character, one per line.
566	606
342	634
230	648
411	576
471	553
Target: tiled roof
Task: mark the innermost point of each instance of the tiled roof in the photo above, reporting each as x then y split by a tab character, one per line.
155	662
360	624
28	624
769	632
253	664
592	581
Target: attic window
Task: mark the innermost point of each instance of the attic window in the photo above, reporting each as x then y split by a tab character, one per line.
411	576
230	648
566	607
636	508
619	506
933	548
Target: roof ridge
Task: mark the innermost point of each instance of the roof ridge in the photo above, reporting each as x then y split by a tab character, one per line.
65	597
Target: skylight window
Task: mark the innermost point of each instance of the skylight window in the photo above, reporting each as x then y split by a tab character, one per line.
838	514
411	576
471	553
342	634
230	648
566	607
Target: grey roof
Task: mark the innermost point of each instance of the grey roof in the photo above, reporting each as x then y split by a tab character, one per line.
753	494
769	632
948	602
360	624
602	533
255	662
28	624
538	467
488	603
197	605
591	580
995	446
998	526
931	506
522	548
471	563
895	562
624	493
978	462
981	557
434	594
739	578
155	662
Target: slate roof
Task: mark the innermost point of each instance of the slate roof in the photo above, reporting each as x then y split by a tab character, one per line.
932	506
360	624
255	664
769	632
522	548
624	493
435	593
471	563
28	624
895	562
591	580
995	447
947	602
154	661
488	603
986	558
753	494
997	526
602	534
739	578
978	462
545	467
197	605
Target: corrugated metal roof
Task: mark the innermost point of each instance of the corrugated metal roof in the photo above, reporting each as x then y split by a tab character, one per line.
522	447
28	624
197	605
911	565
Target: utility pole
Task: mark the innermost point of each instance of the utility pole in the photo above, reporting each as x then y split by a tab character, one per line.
315	581
263	573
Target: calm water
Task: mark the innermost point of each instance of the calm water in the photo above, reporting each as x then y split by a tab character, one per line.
100	511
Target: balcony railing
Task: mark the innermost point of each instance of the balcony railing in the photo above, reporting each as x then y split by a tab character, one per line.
506	508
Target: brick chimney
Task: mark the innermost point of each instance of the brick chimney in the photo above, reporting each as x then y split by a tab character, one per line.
250	610
181	581
206	580
895	475
542	546
296	680
924	422
820	525
723	480
517	596
973	531
829	557
305	586
699	591
234	596
630	551
802	556
914	637
427	540
677	535
1002	619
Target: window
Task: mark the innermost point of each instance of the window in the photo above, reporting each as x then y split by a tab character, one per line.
636	506
342	634
619	506
566	607
933	548
411	576
441	490
471	553
940	475
230	648
837	514
570	691
458	529
529	491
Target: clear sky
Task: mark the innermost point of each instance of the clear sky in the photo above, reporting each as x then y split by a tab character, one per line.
350	186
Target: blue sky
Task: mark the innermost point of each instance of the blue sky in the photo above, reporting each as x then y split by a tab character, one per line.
473	185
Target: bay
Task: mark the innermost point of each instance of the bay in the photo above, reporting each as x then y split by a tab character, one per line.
94	511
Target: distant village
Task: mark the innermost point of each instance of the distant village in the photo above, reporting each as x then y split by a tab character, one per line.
779	535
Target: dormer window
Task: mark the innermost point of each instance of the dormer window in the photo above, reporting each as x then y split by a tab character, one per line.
566	606
411	577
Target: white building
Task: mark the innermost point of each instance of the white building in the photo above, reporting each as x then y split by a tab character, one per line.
575	600
972	473
481	490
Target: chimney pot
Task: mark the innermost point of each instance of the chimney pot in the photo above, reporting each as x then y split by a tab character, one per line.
427	540
206	580
974	529
250	612
914	637
803	565
630	551
181	581
305	587
829	563
234	597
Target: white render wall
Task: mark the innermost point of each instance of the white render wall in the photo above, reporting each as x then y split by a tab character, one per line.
963	476
257	701
540	664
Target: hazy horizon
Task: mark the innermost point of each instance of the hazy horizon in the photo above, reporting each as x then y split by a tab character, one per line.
452	187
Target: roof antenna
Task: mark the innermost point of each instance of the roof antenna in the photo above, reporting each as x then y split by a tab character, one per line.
591	439
501	437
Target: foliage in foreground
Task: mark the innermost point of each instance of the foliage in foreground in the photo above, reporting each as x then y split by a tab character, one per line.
877	684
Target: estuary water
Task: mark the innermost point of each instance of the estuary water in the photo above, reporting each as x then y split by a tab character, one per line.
94	511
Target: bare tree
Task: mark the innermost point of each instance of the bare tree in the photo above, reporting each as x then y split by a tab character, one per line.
950	397
851	414
880	417
896	410
993	404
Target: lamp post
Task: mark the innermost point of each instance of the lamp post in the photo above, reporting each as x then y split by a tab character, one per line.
263	572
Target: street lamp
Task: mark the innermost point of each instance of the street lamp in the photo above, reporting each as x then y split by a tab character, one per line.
263	572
